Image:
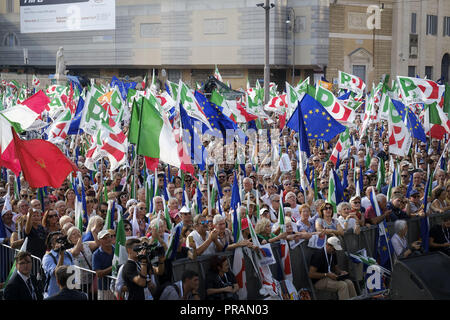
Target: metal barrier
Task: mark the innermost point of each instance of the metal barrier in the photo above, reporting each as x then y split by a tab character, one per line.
300	259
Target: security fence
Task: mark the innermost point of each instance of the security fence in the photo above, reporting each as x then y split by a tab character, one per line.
100	289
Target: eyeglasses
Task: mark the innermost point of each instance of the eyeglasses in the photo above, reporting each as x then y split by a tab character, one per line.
24	195
52	215
315	160
204	222
52	201
356	202
127	229
124	196
404	176
141	208
328	208
226	190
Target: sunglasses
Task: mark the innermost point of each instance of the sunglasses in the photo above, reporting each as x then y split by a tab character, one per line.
328	208
52	201
204	222
124	196
52	215
127	229
356	202
226	190
404	176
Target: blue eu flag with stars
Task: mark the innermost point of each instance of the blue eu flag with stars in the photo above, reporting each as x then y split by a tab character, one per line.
319	124
413	124
194	145
219	122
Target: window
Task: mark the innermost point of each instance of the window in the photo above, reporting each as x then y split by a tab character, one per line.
413	22
9	6
360	71
429	72
446	26
10	40
431	25
412	71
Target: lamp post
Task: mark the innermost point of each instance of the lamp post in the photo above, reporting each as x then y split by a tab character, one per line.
291	23
266	7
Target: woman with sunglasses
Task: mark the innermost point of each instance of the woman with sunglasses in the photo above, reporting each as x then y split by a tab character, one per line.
50	221
70	198
327	223
357	210
36	233
82	256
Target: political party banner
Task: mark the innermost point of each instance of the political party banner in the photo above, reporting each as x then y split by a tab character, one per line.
38	16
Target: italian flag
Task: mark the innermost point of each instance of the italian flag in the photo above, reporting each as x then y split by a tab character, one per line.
436	122
120	252
20	117
332	191
155	136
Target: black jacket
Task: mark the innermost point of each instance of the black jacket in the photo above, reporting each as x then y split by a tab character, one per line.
68	294
17	289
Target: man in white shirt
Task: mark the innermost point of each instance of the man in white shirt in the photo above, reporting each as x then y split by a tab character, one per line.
206	242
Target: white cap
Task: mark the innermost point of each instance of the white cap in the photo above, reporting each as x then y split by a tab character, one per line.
335	242
102	233
185	210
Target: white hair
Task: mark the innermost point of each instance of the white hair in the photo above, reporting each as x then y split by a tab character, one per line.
218	218
381	197
156	223
399	225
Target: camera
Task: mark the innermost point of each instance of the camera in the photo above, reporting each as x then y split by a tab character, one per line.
65	244
151	251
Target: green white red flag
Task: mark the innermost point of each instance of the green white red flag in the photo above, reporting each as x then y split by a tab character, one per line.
338	111
416	90
351	82
399	135
341	147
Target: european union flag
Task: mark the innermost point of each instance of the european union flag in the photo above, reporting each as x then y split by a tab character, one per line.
220	123
123	86
413	124
319	124
75	124
194	144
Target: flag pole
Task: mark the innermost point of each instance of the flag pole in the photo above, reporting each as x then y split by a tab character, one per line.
137	145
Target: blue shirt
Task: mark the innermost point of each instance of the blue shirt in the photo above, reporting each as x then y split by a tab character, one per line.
88	237
49	266
100	261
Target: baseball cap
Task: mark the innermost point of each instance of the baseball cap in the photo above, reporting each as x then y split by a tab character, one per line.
354	198
185	210
413	192
131	202
335	242
103	233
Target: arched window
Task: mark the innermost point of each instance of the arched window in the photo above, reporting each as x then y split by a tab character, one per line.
10	40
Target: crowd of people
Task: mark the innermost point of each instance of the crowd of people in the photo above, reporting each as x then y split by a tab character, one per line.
47	220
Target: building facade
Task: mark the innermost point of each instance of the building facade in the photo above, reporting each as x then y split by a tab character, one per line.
422	33
180	39
359	44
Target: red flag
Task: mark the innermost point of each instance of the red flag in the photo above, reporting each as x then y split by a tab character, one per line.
43	164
